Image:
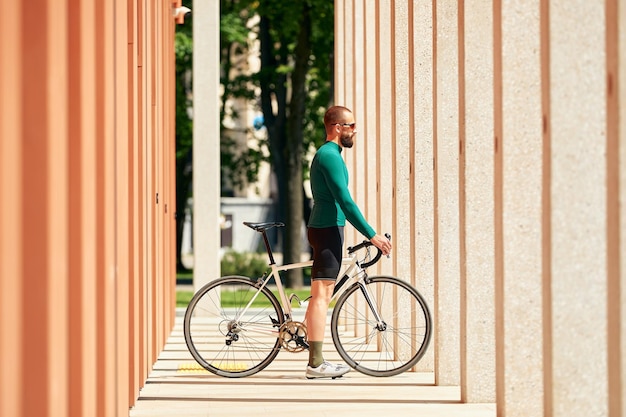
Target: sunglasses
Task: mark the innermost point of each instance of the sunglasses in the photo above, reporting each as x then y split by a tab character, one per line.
350	125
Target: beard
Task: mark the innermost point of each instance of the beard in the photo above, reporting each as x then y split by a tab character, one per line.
347	139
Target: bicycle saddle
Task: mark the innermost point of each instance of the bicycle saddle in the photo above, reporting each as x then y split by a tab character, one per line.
261	227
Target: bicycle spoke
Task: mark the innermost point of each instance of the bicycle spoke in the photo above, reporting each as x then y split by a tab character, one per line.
387	348
225	334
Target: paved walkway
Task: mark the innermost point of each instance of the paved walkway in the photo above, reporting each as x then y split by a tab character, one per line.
178	387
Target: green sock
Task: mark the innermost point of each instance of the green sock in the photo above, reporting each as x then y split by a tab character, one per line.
316	358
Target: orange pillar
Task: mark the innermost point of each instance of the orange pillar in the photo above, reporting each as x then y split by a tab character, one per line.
86	253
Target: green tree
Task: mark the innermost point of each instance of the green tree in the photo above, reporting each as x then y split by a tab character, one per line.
184	127
296	45
295	83
239	164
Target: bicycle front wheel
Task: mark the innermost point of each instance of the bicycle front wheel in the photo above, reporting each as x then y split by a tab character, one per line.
387	346
229	335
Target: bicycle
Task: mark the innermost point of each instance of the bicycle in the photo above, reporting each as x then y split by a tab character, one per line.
235	326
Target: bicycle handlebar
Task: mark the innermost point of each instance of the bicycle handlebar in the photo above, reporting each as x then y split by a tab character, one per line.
365	244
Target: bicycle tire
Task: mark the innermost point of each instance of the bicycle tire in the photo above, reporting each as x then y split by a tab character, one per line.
223	345
395	347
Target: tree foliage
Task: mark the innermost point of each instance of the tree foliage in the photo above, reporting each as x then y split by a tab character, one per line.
292	89
295	92
183	48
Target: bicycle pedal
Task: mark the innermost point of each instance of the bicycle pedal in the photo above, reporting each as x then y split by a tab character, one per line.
300	341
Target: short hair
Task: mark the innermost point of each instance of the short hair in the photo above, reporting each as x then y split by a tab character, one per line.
335	114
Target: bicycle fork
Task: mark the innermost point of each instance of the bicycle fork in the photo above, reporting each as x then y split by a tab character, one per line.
381	326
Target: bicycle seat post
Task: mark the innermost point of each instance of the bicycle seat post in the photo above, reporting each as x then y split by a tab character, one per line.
267	247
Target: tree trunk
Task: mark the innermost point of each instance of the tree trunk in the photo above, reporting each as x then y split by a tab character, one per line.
285	131
183	184
273	91
293	241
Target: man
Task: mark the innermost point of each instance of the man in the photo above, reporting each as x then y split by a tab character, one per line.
332	205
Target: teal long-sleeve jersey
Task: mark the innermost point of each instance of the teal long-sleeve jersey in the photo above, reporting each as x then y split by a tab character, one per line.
332	202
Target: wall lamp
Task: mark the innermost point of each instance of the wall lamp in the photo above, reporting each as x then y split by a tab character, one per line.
179	14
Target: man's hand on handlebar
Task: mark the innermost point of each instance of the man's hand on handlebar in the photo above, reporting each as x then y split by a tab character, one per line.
382	243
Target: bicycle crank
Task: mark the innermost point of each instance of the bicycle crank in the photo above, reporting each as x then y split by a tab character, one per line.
293	336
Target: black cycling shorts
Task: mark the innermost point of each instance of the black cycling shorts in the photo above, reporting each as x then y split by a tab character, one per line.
327	244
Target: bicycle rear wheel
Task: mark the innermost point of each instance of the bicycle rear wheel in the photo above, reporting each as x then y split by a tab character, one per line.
227	341
391	346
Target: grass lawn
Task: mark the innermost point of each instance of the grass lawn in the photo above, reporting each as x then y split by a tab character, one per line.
183	297
186	278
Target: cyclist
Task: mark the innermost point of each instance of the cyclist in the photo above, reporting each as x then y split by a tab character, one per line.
332	205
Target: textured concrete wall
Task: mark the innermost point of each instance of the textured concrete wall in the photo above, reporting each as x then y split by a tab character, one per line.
447	144
505	122
618	139
477	203
578	208
386	124
368	124
521	144
403	145
422	115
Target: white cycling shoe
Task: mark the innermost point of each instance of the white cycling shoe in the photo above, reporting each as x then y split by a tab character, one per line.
327	370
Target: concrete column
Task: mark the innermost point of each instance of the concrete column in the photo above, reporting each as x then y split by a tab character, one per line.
105	161
149	192
51	143
621	132
477	298
135	206
349	27
447	194
520	369
339	61
616	204
355	157
386	128
402	182
82	208
423	172
123	225
12	208
578	200
206	140
368	123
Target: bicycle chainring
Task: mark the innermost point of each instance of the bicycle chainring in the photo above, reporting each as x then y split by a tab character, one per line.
293	336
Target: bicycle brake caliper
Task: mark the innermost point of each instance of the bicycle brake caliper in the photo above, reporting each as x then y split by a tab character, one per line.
275	323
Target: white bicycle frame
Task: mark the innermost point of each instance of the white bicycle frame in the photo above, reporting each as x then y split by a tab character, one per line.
353	272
